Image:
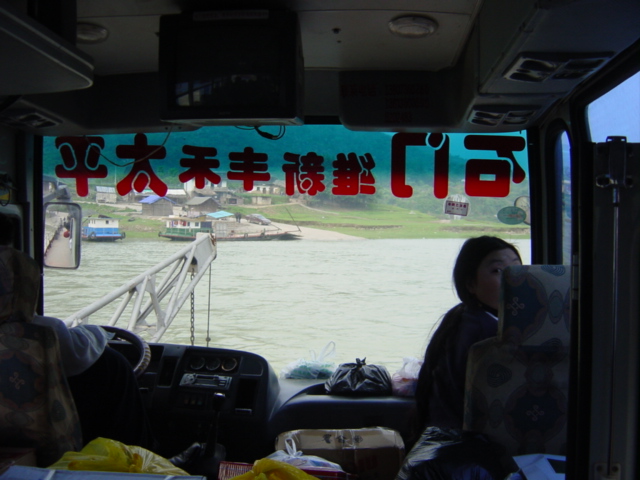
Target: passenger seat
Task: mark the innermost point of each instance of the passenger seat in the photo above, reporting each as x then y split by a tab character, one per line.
517	383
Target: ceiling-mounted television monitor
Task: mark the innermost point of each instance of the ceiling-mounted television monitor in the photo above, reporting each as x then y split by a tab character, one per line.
240	67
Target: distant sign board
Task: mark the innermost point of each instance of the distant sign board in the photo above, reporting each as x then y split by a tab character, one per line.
456	208
512	215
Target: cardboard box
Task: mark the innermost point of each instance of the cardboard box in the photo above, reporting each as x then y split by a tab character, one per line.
229	470
371	453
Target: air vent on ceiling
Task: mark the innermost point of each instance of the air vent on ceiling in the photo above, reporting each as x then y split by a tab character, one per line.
29	119
543	67
502	116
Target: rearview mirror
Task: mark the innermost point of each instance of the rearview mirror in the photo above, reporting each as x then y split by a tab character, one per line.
62	235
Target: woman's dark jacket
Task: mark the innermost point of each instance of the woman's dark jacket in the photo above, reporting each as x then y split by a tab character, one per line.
440	388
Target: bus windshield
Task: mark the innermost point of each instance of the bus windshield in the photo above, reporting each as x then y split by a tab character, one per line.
375	221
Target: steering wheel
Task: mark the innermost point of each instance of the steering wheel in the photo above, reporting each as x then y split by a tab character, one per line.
142	347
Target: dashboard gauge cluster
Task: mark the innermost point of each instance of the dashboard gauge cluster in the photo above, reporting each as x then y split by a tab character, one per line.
212	363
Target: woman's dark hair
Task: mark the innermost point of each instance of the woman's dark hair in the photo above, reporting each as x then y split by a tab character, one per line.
471	255
473	251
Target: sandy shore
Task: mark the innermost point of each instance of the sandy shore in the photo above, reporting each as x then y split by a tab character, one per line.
307	233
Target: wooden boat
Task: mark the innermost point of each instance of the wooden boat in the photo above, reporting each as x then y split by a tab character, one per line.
260	236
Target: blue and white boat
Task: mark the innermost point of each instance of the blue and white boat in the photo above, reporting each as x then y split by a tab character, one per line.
102	229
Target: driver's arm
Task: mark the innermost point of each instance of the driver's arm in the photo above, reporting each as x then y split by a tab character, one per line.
80	346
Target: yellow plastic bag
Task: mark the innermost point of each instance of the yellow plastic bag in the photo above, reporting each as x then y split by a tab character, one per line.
268	469
105	455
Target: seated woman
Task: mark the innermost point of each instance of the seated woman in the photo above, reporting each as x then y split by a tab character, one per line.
477	275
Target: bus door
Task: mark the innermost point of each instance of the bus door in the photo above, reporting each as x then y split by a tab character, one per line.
607	360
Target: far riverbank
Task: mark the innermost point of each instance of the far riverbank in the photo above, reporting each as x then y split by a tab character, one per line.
377	222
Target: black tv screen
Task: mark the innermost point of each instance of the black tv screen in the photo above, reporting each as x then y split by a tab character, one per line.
229	68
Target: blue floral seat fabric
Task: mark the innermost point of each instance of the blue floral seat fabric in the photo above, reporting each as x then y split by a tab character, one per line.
517	383
36	406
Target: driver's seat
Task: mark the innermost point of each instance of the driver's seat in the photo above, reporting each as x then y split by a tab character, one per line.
36	406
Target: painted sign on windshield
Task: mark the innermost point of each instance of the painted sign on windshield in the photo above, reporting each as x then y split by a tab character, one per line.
308	160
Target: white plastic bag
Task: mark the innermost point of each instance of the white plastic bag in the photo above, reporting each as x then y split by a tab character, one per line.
320	367
295	457
404	381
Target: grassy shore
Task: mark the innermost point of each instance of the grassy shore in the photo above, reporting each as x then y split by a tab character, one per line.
387	221
377	222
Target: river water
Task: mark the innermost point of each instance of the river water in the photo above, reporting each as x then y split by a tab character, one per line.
377	299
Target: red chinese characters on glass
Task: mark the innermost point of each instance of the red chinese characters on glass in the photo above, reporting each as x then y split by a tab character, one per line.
399	144
492	178
200	166
303	173
249	167
487	178
352	174
80	160
141	174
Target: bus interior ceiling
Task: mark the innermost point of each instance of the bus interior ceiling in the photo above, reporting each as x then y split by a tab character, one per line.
488	66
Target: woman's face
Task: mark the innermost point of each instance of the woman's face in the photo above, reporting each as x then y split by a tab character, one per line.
486	286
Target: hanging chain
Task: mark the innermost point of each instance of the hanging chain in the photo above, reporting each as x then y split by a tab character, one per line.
209	309
193	314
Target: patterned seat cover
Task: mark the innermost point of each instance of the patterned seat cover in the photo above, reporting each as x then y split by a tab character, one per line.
36	406
517	383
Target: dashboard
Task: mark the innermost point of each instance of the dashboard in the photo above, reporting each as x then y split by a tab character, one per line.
235	398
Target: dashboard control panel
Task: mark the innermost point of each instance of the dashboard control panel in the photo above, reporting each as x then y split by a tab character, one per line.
199	380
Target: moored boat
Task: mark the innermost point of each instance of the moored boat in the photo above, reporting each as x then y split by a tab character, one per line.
102	229
259	236
185	229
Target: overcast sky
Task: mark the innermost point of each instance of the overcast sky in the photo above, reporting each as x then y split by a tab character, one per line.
617	113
